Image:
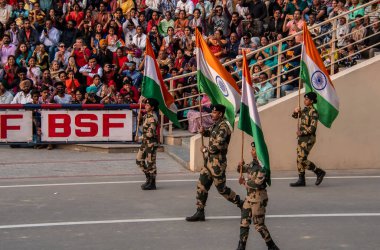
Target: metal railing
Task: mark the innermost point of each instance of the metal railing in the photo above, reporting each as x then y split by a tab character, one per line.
326	39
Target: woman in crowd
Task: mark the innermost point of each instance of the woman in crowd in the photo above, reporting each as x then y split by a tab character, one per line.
23	54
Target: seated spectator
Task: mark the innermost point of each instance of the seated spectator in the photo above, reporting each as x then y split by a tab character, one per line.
129	89
140	38
20	76
135	75
80	52
246	45
90	96
45	97
373	35
59	95
198	20
75	15
23	54
120	60
55	69
91	69
104	54
231	49
275	25
6	97
186	6
10	70
350	54
180	61
28	35
342	31
216	44
50	37
6	49
165	23
33	71
71	83
180	24
169	42
23	96
78	97
42	57
62	55
264	90
194	115
358	32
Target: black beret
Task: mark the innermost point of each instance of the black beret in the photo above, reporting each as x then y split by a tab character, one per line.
219	107
152	102
311	96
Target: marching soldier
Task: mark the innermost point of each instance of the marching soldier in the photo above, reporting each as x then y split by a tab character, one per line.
255	202
306	140
214	169
148	148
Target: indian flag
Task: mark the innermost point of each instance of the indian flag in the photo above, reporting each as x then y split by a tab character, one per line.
214	80
314	74
249	120
153	86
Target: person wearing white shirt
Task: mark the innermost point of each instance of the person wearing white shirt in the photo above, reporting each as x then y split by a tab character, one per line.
186	5
140	38
5	12
60	96
5	96
129	32
23	96
50	38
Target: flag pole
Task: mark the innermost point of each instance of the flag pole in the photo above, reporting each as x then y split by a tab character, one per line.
138	122
241	178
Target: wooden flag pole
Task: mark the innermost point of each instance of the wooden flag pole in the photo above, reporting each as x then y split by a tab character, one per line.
138	123
241	178
299	103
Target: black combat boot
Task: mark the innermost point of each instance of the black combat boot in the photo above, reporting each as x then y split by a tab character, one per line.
320	174
300	182
146	181
240	202
241	245
198	216
151	184
272	246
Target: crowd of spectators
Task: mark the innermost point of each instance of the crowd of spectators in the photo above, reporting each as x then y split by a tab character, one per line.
92	51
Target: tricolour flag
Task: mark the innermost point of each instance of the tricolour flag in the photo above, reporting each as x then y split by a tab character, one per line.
214	80
317	79
153	86
249	120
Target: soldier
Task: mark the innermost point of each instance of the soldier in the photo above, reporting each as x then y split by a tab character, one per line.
306	140
255	202
148	146
214	169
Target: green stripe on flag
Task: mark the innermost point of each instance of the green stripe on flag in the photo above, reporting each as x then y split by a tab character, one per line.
327	113
247	125
151	89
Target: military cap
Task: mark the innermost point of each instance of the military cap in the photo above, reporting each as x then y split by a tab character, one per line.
219	107
152	102
311	96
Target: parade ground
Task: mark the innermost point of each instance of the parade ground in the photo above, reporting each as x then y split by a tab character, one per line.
63	199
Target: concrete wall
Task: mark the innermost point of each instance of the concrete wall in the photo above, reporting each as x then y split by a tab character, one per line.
353	141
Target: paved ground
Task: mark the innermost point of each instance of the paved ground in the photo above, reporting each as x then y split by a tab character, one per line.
80	200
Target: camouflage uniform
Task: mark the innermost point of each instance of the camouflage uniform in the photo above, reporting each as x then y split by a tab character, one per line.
148	146
255	202
216	161
308	127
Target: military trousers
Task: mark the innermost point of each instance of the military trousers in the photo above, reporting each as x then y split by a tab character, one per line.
146	158
254	208
218	177
305	144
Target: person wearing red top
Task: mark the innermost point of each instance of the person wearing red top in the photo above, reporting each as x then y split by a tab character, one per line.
155	21
76	15
129	89
80	52
119	60
71	83
109	74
